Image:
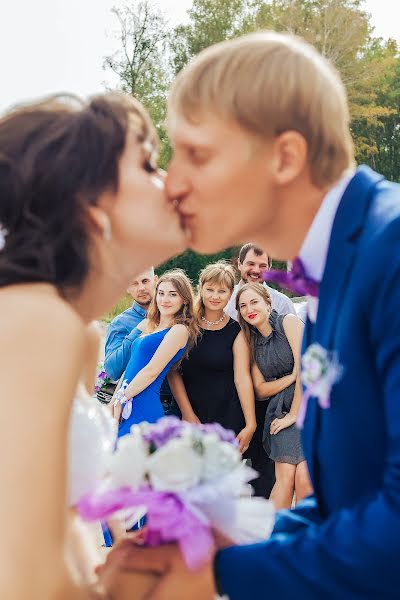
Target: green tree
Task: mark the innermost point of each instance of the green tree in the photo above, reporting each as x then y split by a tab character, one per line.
141	62
192	263
376	130
210	22
342	32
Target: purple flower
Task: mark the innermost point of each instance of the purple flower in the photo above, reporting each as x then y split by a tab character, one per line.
225	435
102	375
168	519
166	429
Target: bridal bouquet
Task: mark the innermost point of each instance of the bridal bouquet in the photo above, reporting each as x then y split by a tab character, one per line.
188	480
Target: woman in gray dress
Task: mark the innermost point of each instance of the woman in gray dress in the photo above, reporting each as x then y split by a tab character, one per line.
275	353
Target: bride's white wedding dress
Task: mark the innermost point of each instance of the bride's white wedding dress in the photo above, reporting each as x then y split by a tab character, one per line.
92	436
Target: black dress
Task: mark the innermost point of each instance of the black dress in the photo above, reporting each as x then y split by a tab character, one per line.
209	378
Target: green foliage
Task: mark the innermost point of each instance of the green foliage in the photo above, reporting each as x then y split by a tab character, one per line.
124	303
193	263
141	64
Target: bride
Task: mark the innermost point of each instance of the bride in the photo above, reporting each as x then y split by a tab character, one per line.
82	210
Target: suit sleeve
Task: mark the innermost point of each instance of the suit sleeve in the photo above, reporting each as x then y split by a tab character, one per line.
117	351
353	554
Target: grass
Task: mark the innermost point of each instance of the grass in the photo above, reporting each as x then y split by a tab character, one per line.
122	304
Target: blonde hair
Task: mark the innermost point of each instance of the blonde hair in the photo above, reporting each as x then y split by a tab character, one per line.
185	315
270	83
220	272
250	331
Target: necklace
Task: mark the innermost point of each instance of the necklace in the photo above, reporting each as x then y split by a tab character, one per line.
211	323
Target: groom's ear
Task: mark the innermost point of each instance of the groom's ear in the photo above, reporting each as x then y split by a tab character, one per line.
289	157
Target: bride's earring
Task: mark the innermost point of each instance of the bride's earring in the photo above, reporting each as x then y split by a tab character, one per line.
107	233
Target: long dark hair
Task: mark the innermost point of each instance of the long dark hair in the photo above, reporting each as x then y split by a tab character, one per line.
56	158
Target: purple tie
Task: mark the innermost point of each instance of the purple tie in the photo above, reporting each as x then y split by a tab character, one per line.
296	280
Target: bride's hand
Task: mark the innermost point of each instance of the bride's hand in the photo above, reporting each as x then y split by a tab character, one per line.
120	584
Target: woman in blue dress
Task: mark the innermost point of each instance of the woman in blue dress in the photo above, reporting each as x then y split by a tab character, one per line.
168	333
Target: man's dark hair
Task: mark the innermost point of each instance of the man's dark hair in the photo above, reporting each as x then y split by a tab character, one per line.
56	158
244	250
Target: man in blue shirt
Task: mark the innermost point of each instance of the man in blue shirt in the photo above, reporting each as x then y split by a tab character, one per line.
122	332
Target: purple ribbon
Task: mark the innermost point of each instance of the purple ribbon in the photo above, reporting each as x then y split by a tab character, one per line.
168	519
296	280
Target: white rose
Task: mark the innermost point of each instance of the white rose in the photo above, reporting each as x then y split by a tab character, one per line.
175	467
129	463
219	457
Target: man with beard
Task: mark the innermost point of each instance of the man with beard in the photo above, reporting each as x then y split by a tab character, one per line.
252	263
122	330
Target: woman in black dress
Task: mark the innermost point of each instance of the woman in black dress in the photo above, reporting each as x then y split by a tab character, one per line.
214	384
275	354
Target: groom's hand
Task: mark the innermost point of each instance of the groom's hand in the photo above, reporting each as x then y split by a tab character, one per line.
176	581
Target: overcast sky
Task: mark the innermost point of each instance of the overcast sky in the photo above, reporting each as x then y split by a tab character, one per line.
59	45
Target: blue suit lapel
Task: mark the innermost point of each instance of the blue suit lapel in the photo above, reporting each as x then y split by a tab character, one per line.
347	226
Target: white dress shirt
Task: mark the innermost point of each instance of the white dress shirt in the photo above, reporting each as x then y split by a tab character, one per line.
314	250
281	303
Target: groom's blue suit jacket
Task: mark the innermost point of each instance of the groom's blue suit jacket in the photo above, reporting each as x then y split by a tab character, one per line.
344	542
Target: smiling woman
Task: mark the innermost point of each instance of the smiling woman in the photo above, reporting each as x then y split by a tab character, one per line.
214	385
275	355
168	332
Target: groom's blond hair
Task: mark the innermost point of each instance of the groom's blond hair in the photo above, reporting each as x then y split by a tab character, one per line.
270	83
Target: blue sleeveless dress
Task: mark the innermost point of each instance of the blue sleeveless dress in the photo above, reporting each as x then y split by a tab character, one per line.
146	406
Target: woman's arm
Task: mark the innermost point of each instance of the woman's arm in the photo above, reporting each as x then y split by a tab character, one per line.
41	355
93	338
293	328
244	387
266	389
178	390
174	340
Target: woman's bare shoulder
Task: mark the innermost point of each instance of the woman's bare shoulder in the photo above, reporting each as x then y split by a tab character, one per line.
179	332
38	310
143	326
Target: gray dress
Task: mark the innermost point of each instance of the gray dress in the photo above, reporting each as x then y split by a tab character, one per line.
274	358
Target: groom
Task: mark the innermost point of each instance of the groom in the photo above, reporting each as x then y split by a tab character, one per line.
262	151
